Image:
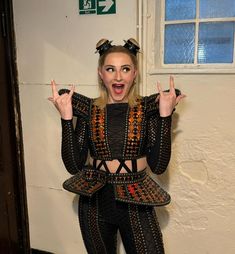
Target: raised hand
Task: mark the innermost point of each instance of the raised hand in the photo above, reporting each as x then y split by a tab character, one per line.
168	100
63	102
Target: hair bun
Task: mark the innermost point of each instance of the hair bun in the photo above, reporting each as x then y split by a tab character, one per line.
132	45
103	45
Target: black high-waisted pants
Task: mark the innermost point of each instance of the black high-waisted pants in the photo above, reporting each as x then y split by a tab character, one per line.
102	216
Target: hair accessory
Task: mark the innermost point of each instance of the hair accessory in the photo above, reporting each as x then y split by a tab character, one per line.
103	45
132	46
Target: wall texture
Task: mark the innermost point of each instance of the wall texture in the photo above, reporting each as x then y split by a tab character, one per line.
200	177
54	42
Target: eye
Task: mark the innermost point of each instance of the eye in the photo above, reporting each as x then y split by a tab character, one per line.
109	69
126	69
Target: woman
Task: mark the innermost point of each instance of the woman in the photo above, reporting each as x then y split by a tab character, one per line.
124	134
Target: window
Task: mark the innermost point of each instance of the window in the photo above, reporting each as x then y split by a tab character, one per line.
195	34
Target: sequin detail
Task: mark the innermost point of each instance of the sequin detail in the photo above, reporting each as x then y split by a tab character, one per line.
134	132
136	188
136	119
98	134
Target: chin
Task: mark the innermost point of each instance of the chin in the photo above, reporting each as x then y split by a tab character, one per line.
118	98
122	97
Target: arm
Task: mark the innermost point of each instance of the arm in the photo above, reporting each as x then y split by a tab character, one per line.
159	127
74	142
159	143
74	147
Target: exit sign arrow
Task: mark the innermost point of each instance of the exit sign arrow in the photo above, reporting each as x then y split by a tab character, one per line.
107	4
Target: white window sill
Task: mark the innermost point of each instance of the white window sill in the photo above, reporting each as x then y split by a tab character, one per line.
183	70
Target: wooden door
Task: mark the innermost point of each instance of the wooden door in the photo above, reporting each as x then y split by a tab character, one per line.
14	236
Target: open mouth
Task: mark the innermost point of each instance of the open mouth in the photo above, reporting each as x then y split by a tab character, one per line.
118	88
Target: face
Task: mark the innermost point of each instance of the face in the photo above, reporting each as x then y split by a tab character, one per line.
118	74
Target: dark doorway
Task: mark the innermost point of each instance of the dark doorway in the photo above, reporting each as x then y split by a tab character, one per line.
14	232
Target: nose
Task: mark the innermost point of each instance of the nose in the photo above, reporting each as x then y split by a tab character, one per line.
118	76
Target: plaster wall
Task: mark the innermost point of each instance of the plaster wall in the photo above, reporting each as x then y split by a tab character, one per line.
54	42
200	176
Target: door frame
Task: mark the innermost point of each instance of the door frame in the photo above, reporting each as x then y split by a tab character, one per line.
12	156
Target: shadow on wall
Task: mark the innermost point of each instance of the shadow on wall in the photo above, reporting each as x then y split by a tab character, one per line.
34	251
175	131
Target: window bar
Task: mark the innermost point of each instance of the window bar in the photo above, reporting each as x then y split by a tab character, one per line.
196	32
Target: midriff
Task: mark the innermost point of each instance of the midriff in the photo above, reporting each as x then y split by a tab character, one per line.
114	164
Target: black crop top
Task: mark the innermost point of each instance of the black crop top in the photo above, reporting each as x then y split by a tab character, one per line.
116	132
116	116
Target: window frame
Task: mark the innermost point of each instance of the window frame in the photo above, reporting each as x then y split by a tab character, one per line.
156	22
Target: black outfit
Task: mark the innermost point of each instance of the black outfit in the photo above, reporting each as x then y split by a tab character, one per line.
117	201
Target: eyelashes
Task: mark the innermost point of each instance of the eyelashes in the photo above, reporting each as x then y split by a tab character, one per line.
109	69
124	69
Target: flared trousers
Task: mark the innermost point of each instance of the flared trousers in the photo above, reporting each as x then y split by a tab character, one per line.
101	217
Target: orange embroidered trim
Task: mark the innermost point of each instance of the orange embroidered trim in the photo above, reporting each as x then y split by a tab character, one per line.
98	131
135	122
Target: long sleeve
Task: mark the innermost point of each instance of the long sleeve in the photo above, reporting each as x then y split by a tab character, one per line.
159	143
74	147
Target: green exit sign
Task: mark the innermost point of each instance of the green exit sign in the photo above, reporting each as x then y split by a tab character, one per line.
99	7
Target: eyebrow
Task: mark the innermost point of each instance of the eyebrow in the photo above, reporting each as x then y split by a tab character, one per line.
124	65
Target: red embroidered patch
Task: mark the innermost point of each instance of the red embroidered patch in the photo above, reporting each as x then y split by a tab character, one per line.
132	188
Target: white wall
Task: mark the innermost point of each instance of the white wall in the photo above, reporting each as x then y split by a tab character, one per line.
201	175
54	42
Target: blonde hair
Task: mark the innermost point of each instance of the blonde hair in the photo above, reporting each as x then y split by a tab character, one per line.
102	100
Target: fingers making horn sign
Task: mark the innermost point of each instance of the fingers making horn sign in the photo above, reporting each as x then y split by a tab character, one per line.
63	103
168	99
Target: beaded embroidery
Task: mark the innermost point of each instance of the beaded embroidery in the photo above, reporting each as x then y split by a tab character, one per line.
136	119
98	134
134	133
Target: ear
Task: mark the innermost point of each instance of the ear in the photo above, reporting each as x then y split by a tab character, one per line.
135	73
100	73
